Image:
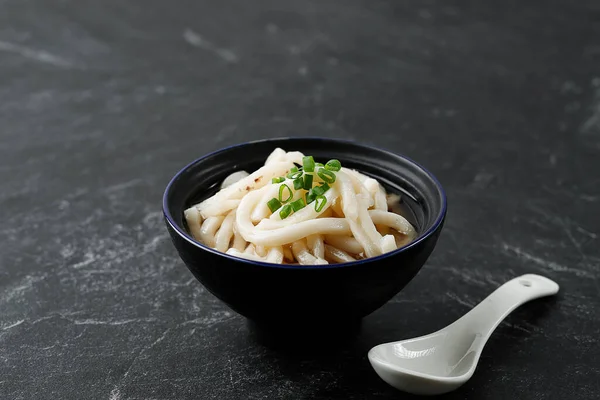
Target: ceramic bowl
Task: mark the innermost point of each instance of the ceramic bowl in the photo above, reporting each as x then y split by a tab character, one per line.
307	295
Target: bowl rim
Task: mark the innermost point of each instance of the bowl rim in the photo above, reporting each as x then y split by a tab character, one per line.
185	236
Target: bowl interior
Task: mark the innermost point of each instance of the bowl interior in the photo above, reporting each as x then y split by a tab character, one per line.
423	201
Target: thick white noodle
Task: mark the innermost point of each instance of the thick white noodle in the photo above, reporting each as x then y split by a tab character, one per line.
238	240
233	178
316	245
276	155
378	193
388	243
346	243
371	248
250	249
240	254
361	177
208	230
337	255
275	255
348	195
358	180
303	255
260	250
394	221
356	213
377	200
280	155
288	234
216	209
225	233
370	229
194	221
218	204
381	199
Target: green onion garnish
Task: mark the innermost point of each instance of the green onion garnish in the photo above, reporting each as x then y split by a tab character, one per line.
278	180
320	202
333	165
308	180
282	188
315	192
298	205
326	175
319	165
310	196
318	190
294	174
309	163
294	169
273	204
298	183
285	211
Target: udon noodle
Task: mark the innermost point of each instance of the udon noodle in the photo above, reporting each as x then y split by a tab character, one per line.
295	211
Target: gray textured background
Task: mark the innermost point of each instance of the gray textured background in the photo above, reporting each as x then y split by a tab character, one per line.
102	102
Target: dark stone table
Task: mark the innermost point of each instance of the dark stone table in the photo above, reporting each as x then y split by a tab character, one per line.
101	102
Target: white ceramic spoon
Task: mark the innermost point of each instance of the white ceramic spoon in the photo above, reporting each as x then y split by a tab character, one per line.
443	361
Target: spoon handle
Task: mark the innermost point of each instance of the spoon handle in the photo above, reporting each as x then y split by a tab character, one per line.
485	317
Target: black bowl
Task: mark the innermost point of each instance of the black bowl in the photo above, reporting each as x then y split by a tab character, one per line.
304	295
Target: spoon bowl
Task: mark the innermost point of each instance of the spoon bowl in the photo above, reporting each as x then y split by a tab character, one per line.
443	361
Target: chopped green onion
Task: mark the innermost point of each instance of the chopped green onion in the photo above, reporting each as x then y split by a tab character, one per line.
298	183
278	180
273	204
319	165
298	204
294	175
315	192
326	175
319	190
290	193
285	211
294	169
309	163
308	180
320	202
333	165
310	196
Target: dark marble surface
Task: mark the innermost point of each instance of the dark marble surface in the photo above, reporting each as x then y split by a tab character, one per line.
101	102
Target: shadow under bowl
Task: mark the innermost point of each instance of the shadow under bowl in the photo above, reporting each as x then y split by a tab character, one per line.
307	296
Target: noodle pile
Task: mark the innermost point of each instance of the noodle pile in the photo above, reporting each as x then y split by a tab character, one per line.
350	222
